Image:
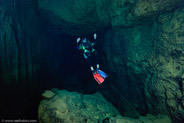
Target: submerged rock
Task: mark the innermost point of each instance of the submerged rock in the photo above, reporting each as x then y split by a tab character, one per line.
73	107
48	94
143	119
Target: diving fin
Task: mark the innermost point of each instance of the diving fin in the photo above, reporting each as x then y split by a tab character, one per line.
101	73
98	78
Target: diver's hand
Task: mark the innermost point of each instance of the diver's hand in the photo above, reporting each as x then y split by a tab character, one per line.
95	35
78	39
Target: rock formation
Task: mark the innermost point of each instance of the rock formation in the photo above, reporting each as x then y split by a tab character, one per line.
76	17
69	107
73	107
19	41
48	94
149	63
87	16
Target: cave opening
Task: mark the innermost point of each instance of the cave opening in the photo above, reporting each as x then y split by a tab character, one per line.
64	63
62	66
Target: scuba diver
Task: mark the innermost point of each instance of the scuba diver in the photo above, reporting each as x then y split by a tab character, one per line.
91	55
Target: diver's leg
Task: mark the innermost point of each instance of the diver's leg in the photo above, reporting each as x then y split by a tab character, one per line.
100	72
90	63
96	59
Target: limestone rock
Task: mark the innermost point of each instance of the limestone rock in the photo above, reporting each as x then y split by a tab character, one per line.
146	61
72	107
76	17
17	31
87	16
48	94
143	119
168	62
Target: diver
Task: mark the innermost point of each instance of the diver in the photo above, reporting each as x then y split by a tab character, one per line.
91	55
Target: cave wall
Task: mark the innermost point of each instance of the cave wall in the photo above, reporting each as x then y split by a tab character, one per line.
21	52
146	63
167	62
20	42
126	61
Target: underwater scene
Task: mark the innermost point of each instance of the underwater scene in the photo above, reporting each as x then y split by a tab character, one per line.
92	61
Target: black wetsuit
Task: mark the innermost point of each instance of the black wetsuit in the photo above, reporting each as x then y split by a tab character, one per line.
90	52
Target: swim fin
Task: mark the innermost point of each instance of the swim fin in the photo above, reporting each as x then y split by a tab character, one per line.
101	73
98	78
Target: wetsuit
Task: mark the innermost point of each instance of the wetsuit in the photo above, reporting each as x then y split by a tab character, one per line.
89	52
